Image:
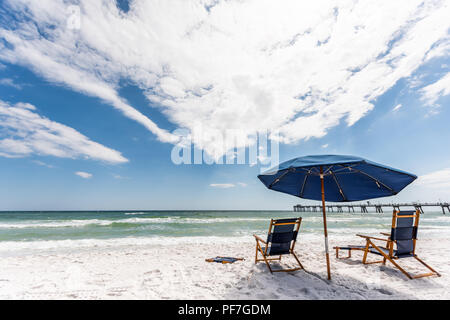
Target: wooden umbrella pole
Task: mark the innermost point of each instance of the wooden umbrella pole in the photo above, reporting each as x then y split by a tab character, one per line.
325	232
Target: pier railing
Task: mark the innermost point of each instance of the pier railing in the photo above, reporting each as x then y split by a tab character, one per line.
363	207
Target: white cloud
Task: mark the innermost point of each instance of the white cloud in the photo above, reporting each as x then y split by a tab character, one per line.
42	163
324	146
227	185
119	177
300	68
23	132
222	185
84	175
436	179
10	83
442	48
432	92
397	107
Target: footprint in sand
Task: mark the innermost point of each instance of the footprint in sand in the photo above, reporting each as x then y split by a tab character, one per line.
261	296
112	294
384	291
154	272
37	287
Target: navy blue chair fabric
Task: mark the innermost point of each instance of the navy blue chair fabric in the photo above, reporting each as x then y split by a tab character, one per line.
404	234
280	239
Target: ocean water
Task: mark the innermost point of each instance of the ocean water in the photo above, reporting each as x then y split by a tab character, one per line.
32	231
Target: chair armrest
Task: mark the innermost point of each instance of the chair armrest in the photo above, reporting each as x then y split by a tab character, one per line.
374	238
385	234
259	239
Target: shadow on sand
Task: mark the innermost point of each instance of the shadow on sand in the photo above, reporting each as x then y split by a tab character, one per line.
372	282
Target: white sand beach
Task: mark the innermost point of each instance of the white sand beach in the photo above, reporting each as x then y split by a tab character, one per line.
139	138
178	270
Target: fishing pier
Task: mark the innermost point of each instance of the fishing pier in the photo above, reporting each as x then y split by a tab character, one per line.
364	207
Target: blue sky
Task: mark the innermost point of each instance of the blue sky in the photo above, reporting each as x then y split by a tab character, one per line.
101	157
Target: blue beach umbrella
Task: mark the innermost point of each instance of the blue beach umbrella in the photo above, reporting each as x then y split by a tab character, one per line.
336	178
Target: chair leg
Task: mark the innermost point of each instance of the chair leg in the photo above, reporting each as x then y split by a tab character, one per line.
430	268
386	257
349	255
296	258
366	251
266	260
258	248
267	263
388	246
391	260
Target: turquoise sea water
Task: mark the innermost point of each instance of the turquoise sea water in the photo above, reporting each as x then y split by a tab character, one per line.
20	227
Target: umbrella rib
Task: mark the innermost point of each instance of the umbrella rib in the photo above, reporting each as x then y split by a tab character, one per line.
344	167
329	169
339	186
279	178
304	183
374	179
310	171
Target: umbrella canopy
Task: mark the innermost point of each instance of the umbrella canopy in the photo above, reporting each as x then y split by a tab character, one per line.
336	178
346	178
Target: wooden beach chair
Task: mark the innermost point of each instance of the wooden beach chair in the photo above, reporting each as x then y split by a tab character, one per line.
280	241
403	235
